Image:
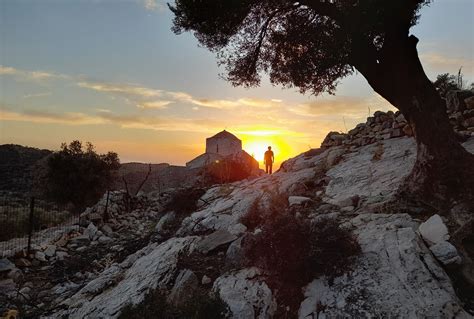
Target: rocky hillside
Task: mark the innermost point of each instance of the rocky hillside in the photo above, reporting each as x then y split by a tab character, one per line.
151	256
324	237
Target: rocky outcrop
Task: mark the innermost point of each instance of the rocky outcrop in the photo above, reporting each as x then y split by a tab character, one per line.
377	181
396	276
383	126
129	282
246	294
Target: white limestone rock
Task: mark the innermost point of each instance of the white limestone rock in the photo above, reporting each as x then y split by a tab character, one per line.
165	219
434	230
214	240
184	288
91	231
357	174
39	255
446	253
298	200
396	276
50	250
206	280
116	287
246	295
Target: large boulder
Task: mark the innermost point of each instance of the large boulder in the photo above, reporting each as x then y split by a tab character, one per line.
246	295
215	240
433	230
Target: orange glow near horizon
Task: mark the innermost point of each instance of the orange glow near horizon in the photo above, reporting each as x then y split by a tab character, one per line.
256	144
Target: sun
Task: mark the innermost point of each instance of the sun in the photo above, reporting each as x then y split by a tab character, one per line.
257	144
256	150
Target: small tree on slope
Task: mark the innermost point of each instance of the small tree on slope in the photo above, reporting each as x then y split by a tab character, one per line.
310	44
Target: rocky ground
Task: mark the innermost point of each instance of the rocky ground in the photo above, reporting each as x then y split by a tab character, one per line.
185	241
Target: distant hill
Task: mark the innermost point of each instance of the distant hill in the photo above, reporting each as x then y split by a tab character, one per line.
162	176
16	164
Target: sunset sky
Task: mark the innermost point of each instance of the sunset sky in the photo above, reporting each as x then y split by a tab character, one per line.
113	73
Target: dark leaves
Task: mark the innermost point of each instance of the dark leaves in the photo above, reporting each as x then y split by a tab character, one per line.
307	44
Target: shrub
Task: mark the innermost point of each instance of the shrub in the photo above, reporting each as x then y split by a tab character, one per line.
258	213
293	252
225	171
202	306
253	217
185	201
332	248
78	176
281	249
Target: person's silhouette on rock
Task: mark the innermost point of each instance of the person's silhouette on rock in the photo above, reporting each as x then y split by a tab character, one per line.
268	159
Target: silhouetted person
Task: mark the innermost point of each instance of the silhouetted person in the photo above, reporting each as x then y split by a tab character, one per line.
268	159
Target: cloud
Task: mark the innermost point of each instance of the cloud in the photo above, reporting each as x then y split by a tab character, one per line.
224	104
29	75
353	107
33	95
145	97
154	105
141	96
47	117
171	124
106	117
121	89
260	103
6	70
444	63
153	5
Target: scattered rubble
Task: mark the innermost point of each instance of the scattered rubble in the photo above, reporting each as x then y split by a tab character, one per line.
387	125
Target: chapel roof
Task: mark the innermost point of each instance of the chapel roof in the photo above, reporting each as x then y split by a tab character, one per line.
225	134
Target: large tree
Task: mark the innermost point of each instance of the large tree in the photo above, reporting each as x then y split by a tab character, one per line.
78	176
311	44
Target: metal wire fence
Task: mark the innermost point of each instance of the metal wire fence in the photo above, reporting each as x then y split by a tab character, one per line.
31	221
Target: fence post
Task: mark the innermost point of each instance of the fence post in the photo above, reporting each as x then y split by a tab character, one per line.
106	216
30	225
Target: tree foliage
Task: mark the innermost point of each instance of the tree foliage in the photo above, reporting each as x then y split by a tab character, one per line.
308	44
77	175
447	82
444	83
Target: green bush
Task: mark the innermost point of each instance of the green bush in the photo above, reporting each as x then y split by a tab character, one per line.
202	306
185	201
225	171
293	252
258	212
78	176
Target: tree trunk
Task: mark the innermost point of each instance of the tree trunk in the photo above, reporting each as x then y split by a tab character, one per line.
444	170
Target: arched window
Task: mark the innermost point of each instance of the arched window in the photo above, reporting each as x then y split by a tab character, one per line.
217	148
